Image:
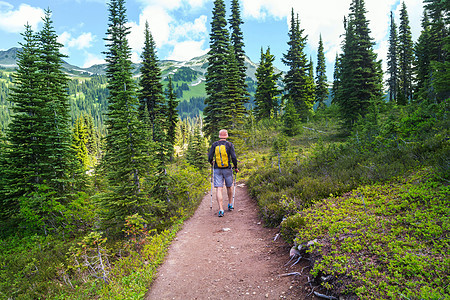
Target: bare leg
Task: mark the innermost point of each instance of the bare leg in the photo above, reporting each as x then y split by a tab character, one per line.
219	197
230	195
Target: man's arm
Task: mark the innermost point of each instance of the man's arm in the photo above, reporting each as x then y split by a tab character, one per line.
211	154
233	155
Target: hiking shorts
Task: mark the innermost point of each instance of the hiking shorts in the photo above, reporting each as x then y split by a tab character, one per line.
223	174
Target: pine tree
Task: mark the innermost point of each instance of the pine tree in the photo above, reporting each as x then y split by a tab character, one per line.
438	12
291	125
215	112
42	165
422	63
336	80
360	75
171	116
80	141
321	77
392	61
405	48
196	153
299	86
235	98
266	96
126	161
151	95
237	41
25	134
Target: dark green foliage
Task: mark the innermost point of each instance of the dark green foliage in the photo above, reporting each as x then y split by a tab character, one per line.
216	115
171	116
267	102
191	108
197	153
360	75
321	77
41	167
291	120
405	58
299	86
151	95
431	52
225	77
126	160
392	61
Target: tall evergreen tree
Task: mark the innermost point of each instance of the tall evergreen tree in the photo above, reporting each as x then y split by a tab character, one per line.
422	63
216	114
336	80
360	77
23	172
299	86
405	48
196	150
321	76
171	116
80	141
235	97
237	41
266	96
41	160
392	61
438	14
151	95
126	160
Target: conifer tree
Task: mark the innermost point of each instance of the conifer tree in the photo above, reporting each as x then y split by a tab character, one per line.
237	42
235	97
360	75
291	124
80	141
422	63
321	76
196	153
126	161
299	86
336	80
439	46
392	61
216	114
171	116
41	160
266	96
405	48
151	95
23	172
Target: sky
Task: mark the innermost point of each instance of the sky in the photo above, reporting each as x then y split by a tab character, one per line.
181	28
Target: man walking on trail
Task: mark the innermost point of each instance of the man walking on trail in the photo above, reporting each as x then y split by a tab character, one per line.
220	157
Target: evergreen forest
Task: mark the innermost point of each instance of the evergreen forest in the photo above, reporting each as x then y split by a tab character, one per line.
99	170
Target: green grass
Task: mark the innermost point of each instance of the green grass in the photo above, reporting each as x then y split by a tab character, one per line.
385	240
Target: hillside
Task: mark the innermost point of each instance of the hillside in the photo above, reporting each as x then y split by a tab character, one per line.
188	78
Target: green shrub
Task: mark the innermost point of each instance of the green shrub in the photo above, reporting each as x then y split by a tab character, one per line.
290	227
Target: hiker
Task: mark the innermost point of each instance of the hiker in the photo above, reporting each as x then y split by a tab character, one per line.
220	157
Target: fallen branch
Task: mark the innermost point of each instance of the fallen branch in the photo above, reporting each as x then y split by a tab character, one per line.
290	274
325	296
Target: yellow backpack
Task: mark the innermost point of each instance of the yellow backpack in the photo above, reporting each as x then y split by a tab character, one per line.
221	156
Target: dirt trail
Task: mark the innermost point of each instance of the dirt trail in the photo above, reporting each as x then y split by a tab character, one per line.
233	257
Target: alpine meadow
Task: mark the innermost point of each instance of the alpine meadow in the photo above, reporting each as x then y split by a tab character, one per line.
101	166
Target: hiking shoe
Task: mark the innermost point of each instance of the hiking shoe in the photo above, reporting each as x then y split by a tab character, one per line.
230	207
220	214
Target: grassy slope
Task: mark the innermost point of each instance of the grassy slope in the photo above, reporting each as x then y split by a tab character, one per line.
386	239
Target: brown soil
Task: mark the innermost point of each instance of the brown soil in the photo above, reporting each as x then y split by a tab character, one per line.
234	257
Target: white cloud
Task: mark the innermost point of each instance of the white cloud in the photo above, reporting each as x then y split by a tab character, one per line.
13	21
187	50
92	59
169	29
196	29
326	17
82	42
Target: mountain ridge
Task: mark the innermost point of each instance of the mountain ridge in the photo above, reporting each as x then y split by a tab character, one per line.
8	59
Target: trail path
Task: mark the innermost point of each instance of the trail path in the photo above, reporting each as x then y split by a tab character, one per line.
233	257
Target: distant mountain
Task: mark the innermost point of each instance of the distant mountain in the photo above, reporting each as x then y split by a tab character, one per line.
199	64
